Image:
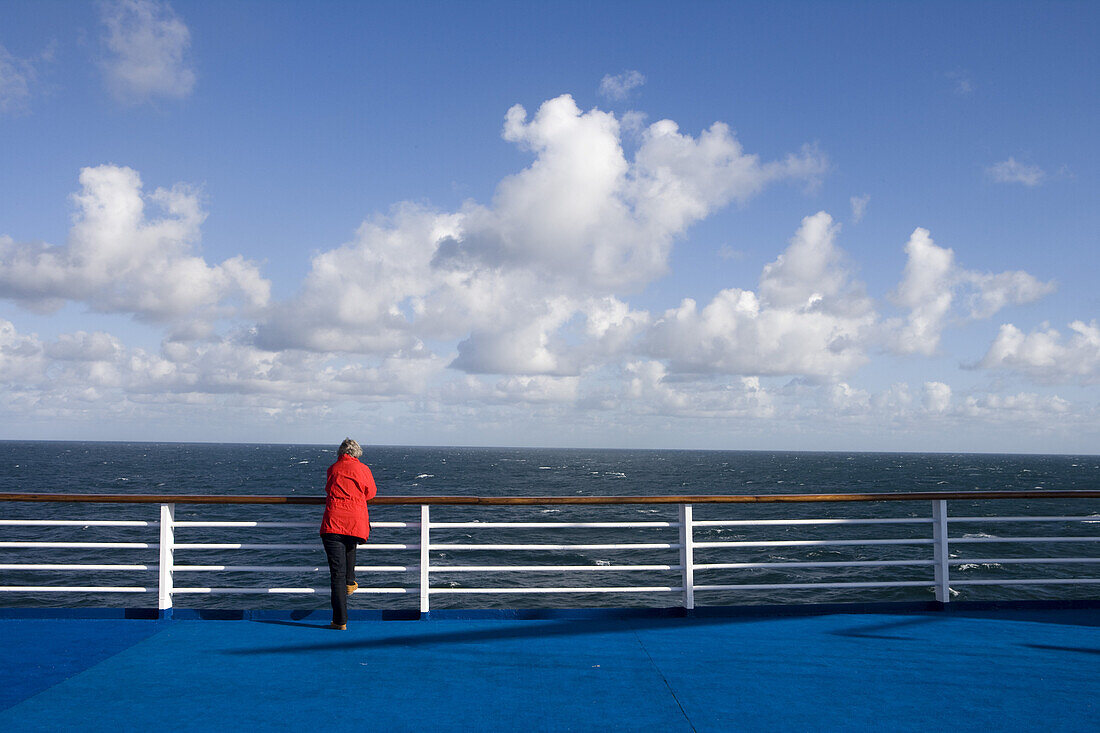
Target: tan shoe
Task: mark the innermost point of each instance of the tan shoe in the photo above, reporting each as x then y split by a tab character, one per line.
338	627
352	587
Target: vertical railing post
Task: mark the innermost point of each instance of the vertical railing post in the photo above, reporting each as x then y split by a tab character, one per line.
940	551
167	547
687	556
425	534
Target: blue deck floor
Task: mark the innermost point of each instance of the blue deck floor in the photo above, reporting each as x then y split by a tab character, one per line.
888	671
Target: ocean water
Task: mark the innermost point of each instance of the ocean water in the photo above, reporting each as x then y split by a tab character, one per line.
172	468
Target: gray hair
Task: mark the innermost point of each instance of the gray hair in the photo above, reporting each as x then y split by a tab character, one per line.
350	448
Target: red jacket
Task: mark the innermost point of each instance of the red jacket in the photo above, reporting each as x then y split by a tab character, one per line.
349	487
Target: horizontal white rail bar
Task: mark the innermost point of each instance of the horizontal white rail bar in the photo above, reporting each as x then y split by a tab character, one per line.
76	523
799	586
286	568
826	564
1028	581
800	522
812	543
1020	560
245	524
241	546
76	567
311	525
1024	519
612	589
550	525
74	589
641	546
973	540
84	545
250	546
537	568
224	591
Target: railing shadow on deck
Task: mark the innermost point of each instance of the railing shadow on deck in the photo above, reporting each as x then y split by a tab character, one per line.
861	621
495	632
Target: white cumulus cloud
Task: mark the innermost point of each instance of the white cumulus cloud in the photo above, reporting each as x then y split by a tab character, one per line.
511	391
1046	355
529	283
73	366
121	259
930	283
926	289
21	358
147	47
990	293
937	397
846	399
678	179
810	317
1013	171
619	86
1026	406
648	390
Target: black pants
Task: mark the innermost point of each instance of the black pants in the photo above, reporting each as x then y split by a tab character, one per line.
340	549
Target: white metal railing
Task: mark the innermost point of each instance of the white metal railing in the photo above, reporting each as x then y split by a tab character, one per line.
681	559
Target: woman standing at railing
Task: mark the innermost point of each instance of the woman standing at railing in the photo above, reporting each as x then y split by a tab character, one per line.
346	524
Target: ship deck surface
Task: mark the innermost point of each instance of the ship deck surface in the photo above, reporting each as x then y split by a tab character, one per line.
995	670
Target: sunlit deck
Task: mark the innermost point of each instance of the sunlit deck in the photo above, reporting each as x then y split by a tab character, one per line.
904	669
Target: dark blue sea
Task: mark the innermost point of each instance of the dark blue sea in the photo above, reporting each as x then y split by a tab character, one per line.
177	468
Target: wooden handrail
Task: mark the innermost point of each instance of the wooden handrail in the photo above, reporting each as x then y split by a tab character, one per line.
528	500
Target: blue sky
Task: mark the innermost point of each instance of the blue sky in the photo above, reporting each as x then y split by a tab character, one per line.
842	226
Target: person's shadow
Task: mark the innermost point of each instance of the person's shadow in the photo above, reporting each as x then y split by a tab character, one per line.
292	623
